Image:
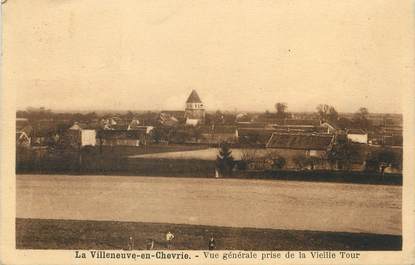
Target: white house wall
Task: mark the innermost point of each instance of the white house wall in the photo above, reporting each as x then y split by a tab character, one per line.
358	138
88	137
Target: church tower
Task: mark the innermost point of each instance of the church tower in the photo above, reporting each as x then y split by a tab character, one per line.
195	111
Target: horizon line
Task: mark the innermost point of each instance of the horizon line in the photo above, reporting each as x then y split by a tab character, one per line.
207	110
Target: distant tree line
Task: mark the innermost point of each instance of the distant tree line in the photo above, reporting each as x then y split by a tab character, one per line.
328	113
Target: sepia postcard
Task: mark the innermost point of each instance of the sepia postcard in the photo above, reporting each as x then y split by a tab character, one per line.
207	132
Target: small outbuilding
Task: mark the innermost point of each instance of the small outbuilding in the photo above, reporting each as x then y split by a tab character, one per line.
357	136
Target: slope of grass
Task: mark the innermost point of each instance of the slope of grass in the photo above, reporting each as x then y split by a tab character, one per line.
71	234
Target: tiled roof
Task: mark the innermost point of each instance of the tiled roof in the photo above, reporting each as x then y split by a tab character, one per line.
84	126
26	129
193	98
140	127
121	134
218	129
20	135
299	129
356	131
298	122
300	141
255	135
251	125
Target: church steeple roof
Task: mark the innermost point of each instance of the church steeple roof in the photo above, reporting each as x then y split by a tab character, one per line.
193	97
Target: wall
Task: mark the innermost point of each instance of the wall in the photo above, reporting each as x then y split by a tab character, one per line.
195	114
358	138
218	137
88	137
121	142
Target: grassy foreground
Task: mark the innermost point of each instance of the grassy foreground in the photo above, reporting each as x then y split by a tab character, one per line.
71	234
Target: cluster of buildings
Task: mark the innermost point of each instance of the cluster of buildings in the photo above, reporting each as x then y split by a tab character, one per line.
309	137
107	132
116	132
110	131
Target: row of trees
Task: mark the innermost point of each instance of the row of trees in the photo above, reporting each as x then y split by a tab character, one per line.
328	113
35	114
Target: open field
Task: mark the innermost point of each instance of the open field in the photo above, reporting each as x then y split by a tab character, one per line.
215	202
203	154
70	234
150	149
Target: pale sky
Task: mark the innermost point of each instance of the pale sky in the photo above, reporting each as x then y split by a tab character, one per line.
244	55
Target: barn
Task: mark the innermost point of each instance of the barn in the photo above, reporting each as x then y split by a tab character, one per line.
296	146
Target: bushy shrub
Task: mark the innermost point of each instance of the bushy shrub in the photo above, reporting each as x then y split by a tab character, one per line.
279	163
379	160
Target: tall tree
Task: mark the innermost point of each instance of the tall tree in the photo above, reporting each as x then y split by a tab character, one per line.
224	160
379	160
361	118
279	162
219	118
342	153
281	110
327	112
129	115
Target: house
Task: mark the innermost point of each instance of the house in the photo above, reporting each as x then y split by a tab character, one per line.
216	134
192	122
194	110
22	139
299	126
257	137
81	135
243	117
138	137
331	127
311	145
24	132
171	118
301	150
44	133
357	136
253	125
301	129
135	126
113	123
